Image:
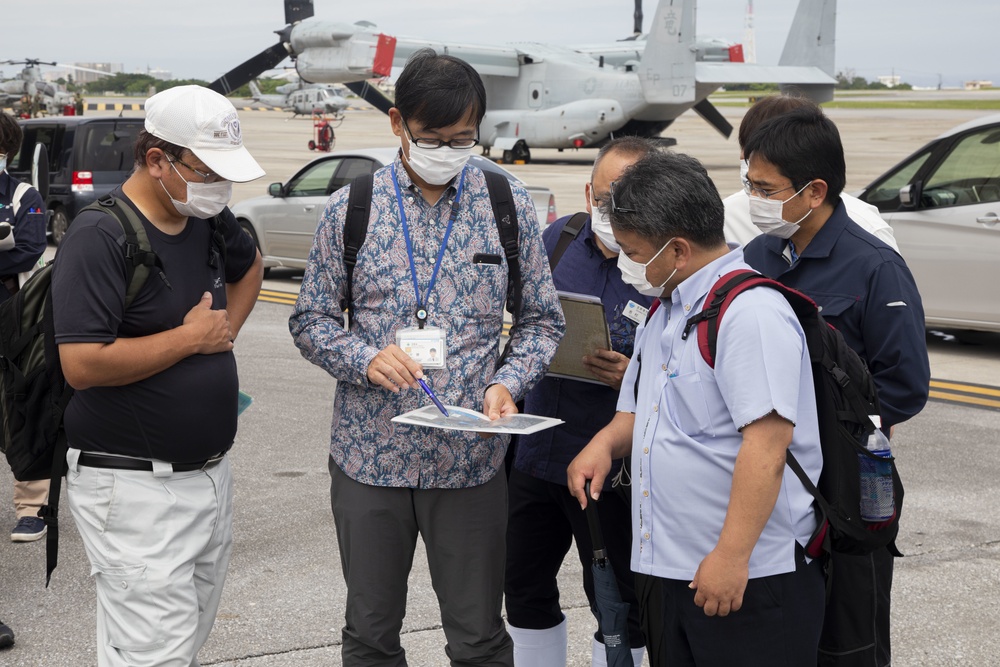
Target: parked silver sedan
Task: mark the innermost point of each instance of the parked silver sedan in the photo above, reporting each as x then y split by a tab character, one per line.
283	222
943	203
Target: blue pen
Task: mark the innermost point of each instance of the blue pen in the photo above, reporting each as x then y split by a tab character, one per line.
434	398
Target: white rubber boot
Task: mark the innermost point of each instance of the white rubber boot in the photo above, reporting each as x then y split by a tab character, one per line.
539	648
599	656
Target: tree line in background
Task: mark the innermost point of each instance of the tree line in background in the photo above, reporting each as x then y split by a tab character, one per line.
138	85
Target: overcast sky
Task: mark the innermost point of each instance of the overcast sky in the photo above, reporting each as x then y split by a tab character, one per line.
916	39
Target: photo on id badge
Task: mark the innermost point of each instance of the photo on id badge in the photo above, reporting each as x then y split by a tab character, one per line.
428	346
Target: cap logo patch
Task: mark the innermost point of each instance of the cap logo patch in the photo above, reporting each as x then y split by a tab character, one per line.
232	123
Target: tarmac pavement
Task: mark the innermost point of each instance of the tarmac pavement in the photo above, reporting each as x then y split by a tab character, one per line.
284	599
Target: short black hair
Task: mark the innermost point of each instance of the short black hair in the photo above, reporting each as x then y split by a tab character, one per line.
144	141
803	145
671	195
767	108
438	91
10	135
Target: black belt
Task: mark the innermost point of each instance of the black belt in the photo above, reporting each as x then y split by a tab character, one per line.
94	460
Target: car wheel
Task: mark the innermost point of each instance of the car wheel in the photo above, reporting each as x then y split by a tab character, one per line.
248	230
59	224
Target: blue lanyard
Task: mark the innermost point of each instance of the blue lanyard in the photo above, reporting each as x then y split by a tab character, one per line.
421	303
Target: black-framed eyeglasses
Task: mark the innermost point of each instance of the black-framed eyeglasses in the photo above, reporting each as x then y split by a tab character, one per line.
750	189
207	177
438	143
615	208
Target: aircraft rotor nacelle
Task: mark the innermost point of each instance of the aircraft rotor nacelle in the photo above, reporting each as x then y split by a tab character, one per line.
317	34
574	125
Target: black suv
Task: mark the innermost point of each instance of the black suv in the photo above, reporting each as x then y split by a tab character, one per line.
88	157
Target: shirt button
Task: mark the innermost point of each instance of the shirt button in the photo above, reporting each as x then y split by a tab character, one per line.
663	366
687	306
656	408
646	494
645	450
645	536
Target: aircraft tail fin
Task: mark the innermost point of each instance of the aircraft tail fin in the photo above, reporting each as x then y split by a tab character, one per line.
811	43
667	68
254	90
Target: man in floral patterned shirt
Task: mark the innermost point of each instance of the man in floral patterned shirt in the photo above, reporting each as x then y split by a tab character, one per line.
432	263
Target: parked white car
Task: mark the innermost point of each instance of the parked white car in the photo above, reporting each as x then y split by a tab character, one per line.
283	222
943	203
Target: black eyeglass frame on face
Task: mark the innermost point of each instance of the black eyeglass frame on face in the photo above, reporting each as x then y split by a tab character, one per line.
210	177
615	208
460	144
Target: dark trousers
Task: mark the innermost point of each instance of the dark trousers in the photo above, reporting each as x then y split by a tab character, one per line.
856	627
463	531
778	625
543	521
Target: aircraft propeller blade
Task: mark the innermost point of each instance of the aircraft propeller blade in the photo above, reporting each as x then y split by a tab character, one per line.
371	94
298	10
707	110
242	73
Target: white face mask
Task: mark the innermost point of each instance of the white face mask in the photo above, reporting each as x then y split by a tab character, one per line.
3	163
766	215
204	200
634	273
601	225
744	170
438	166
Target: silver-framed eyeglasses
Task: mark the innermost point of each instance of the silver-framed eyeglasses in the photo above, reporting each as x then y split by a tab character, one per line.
207	177
615	208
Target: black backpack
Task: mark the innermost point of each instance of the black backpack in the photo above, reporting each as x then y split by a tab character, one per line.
845	397
33	390
356	228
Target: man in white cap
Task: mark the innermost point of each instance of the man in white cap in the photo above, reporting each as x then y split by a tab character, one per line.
155	407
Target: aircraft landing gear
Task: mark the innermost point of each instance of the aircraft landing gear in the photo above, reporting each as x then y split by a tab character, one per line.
519	153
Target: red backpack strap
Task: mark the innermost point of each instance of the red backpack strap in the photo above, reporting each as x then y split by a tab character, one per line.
652	309
725	289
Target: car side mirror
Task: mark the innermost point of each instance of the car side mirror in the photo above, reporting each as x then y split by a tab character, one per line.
276	190
909	195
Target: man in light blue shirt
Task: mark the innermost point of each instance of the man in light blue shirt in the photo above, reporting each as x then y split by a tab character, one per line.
718	521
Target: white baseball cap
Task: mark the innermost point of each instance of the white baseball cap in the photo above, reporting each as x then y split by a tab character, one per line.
205	123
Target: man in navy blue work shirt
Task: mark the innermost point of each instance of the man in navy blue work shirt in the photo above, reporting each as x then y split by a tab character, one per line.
544	519
864	289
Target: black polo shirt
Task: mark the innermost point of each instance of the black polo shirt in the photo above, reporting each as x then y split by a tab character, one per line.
185	413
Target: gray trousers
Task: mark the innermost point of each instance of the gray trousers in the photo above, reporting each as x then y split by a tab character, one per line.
463	531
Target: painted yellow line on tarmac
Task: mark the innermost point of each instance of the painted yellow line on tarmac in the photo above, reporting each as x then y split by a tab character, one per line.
274	296
982	396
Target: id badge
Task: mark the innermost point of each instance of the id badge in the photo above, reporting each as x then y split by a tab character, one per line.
428	346
635	312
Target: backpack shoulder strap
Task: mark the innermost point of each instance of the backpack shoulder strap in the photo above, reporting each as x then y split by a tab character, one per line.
502	200
569	232
139	256
719	298
19	192
359	203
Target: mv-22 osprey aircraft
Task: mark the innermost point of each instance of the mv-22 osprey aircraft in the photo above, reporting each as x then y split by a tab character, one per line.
546	96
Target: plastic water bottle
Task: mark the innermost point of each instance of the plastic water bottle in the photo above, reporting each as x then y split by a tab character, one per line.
877	501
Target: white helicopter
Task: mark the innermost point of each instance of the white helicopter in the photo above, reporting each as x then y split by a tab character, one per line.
546	96
302	100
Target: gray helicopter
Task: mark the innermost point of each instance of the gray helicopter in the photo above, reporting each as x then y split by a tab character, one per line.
303	99
547	96
20	92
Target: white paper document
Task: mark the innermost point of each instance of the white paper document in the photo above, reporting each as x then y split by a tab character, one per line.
464	419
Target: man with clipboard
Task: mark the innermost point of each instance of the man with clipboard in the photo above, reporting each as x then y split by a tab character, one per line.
544	519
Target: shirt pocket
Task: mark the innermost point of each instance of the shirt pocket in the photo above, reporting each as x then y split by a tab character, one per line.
688	405
481	290
832	306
